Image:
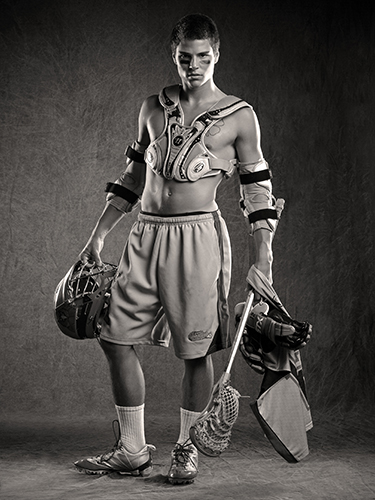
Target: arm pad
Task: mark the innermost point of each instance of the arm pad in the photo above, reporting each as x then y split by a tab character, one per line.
121	197
136	152
257	202
122	193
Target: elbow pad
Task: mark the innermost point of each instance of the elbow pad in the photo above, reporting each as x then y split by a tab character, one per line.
119	195
257	202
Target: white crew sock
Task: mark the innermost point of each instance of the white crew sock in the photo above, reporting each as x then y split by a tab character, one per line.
187	418
131	420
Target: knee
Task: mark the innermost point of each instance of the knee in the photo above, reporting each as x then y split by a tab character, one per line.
203	363
116	352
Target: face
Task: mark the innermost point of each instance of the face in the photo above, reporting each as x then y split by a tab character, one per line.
195	61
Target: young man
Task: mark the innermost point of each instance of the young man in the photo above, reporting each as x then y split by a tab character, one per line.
173	278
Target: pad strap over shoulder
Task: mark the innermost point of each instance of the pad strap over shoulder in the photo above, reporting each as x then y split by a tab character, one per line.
169	98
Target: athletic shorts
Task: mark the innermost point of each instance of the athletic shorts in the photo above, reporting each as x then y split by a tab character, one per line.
173	281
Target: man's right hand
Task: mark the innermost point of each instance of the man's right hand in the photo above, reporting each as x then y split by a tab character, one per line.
107	220
91	252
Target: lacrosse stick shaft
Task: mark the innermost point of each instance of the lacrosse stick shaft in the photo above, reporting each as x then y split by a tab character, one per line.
239	332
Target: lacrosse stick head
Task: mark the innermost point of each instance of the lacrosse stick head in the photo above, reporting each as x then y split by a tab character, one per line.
212	431
80	299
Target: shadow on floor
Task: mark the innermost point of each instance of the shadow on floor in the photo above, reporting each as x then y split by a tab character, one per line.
37	455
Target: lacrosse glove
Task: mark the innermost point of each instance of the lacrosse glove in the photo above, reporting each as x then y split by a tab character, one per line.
267	328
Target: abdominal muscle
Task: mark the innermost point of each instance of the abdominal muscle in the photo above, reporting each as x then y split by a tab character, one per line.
170	197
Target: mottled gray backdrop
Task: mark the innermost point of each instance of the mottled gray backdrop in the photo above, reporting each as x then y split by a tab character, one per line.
73	74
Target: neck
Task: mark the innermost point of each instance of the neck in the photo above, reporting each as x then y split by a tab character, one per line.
196	95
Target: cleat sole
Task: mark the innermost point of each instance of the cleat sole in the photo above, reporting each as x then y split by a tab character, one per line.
144	470
181	481
92	472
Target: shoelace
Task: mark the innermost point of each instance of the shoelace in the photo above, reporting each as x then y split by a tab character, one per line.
183	451
116	431
109	454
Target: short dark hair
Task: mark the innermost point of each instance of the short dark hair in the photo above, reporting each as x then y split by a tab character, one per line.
195	27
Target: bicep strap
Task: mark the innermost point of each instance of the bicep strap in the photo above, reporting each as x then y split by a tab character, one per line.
266	213
134	155
122	191
257	202
259	176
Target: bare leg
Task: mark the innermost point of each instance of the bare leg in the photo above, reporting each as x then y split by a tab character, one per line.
196	389
127	377
197	383
131	453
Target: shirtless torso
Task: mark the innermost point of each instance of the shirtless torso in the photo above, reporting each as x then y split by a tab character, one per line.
165	196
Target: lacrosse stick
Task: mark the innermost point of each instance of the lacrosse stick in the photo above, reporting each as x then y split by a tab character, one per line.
211	432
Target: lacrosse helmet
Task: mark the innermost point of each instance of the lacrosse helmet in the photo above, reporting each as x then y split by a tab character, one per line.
81	298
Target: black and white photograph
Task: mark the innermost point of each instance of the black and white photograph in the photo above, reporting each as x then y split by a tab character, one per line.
187	257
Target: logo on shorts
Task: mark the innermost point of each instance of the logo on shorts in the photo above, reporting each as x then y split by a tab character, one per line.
199	335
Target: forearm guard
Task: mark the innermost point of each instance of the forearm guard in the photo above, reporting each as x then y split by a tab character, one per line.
257	202
122	193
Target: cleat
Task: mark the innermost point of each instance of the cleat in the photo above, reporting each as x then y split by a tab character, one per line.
184	467
119	460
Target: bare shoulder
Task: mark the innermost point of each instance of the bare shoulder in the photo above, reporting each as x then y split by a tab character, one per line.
247	142
246	122
246	115
151	119
149	105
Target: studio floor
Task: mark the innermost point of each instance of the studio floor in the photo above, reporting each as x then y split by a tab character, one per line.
37	455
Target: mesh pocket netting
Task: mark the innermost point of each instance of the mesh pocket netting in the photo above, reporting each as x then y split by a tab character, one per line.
213	429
